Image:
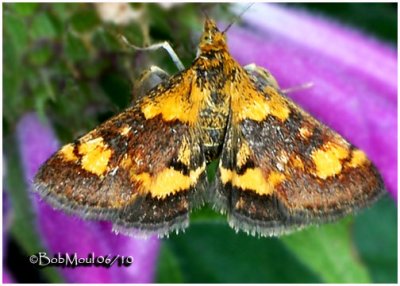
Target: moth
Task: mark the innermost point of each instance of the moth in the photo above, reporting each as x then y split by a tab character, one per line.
145	169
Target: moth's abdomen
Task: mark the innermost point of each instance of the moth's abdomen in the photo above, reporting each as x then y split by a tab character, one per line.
213	138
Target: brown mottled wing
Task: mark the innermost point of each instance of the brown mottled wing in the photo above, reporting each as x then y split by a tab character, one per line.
142	169
281	169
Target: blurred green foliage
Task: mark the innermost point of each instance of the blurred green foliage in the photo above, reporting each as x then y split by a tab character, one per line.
64	62
349	251
69	62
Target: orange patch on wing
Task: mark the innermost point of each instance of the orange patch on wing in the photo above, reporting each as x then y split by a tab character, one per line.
328	159
125	130
305	132
297	162
275	178
184	153
248	103
277	104
176	103
243	154
253	180
67	152
255	107
121	202
126	162
168	181
358	158
95	156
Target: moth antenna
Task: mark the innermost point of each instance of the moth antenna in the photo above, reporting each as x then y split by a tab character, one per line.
237	18
203	10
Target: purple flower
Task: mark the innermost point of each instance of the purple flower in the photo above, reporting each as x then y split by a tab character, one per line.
7	278
354	76
69	234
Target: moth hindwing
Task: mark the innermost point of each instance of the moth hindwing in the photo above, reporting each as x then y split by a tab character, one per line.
144	169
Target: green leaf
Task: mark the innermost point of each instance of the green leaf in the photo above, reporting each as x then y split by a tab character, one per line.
207	215
62	11
328	251
75	50
107	40
16	31
85	20
40	104
42	27
168	270
23	227
214	253
212	170
160	28
375	233
12	99
40	55
117	89
25	9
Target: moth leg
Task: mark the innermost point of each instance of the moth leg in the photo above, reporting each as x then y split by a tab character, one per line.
266	78
299	87
148	79
164	45
261	74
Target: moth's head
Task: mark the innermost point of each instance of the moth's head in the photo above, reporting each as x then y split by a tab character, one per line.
212	39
